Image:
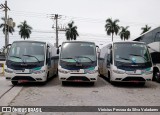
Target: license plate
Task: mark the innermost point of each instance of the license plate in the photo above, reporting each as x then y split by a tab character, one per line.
134	72
22	81
21	71
18	71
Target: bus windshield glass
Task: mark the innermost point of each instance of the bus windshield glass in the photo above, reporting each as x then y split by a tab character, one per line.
131	54
78	52
27	52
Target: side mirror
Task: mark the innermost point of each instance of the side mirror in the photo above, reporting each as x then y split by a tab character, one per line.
5	51
98	50
58	51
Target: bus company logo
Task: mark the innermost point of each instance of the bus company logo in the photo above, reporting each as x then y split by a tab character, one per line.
78	64
23	64
6	109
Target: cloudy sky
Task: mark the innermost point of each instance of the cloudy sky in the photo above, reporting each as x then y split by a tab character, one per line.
89	16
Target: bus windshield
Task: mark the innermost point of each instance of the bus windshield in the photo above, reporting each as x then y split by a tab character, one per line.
27	52
78	52
131	54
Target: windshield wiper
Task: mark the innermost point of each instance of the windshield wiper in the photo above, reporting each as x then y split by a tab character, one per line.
33	56
85	57
124	58
139	56
17	57
71	58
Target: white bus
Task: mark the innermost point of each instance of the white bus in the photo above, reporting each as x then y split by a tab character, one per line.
30	61
152	39
78	62
127	62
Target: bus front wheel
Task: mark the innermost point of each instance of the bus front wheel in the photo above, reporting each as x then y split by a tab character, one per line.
157	77
14	82
142	83
92	83
64	83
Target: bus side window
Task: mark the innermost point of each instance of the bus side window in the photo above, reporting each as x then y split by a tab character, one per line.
108	57
48	57
157	37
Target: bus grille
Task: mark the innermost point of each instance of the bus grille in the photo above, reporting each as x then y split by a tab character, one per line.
82	78
130	78
23	78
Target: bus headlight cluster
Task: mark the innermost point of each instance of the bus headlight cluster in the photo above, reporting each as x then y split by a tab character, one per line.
63	71
8	71
92	71
118	71
147	72
38	72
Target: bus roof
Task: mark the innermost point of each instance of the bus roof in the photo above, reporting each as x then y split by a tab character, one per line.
128	42
78	42
37	41
137	38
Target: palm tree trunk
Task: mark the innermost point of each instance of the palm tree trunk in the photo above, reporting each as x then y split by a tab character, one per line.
112	37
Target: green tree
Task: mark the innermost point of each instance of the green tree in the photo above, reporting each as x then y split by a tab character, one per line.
71	31
145	29
25	30
112	27
9	28
124	33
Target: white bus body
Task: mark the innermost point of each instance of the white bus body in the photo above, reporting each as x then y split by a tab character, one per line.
127	62
30	61
78	62
152	39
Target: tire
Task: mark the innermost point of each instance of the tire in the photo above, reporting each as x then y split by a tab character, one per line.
64	83
155	71
109	78
56	73
142	83
157	77
14	82
92	83
113	83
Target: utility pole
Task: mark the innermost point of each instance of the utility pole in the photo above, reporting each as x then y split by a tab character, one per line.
56	17
6	8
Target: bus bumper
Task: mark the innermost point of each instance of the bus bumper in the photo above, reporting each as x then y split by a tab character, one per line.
131	77
78	77
26	77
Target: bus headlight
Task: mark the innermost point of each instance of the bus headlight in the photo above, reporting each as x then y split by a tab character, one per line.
39	71
63	71
92	71
118	71
148	72
8	71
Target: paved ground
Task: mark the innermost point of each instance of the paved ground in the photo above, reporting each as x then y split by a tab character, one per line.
7	91
102	94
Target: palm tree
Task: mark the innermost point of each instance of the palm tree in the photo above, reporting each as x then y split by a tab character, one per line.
112	27
9	28
25	30
145	29
71	31
124	33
